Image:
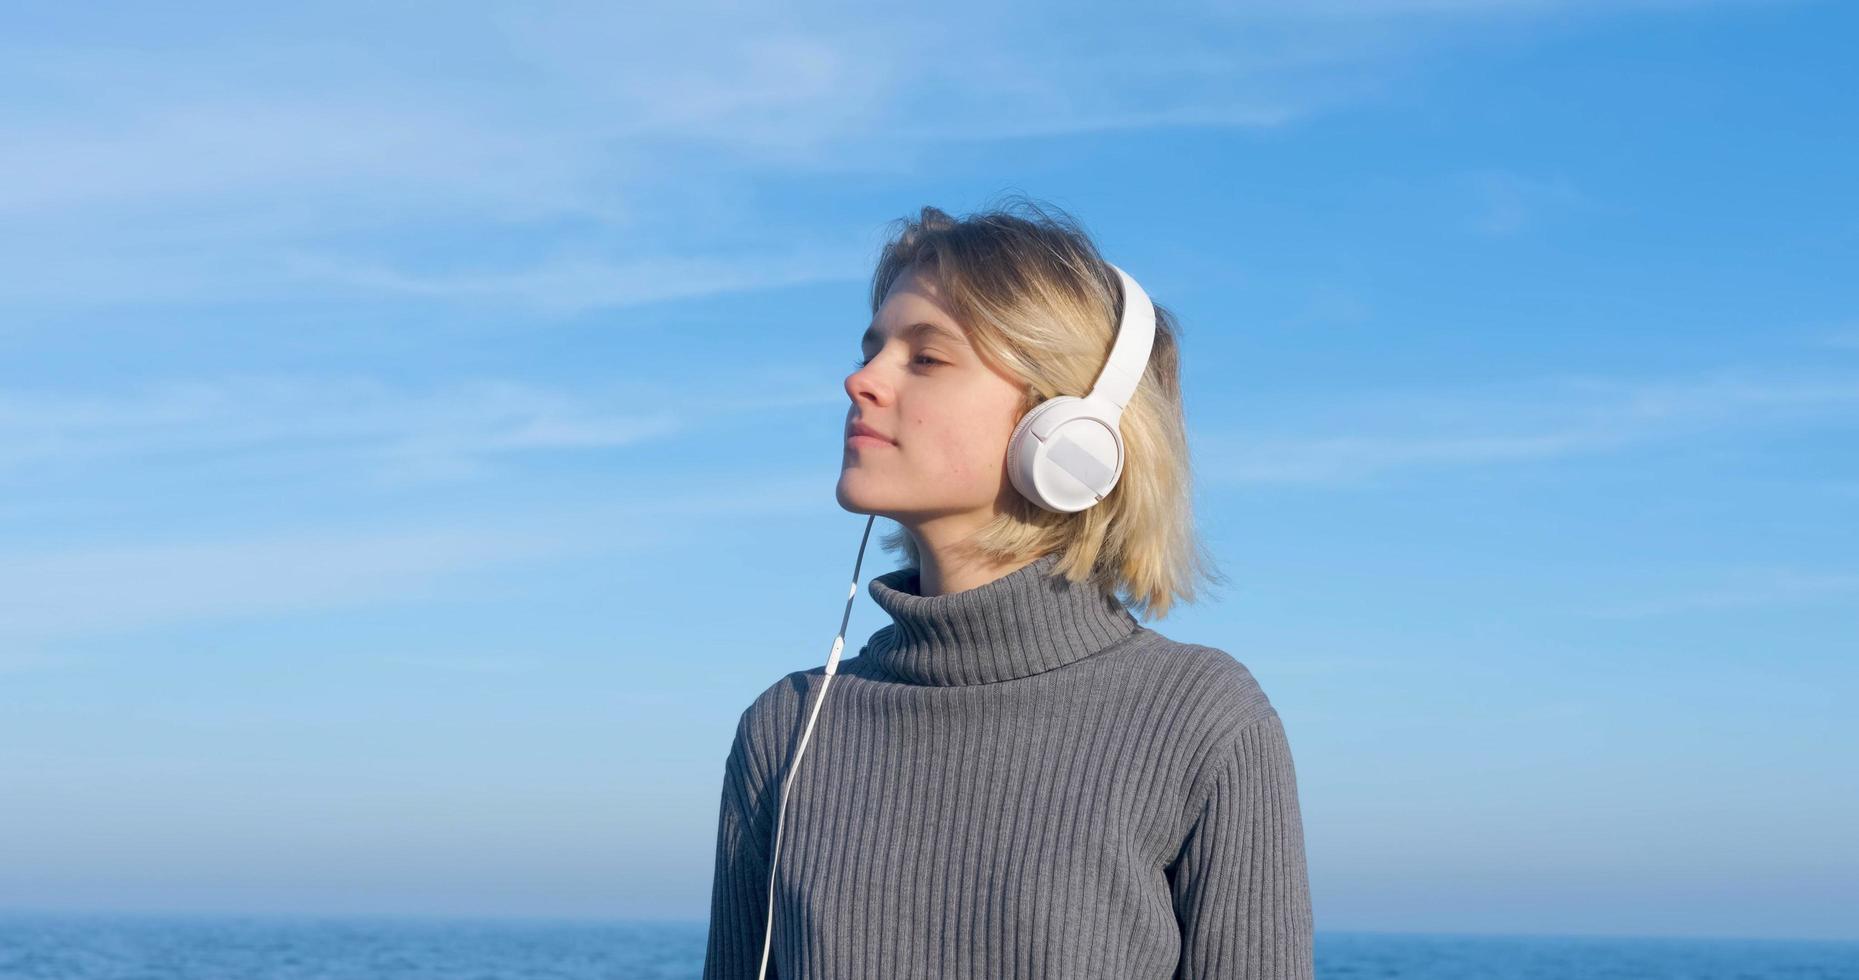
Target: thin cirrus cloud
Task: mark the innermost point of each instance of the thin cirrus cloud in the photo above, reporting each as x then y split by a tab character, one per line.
579	284
287	425
1552	418
262	146
1509	203
358	428
1734	588
55	594
1840	338
80	591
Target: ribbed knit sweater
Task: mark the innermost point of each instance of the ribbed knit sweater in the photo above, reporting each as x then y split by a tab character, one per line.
1018	780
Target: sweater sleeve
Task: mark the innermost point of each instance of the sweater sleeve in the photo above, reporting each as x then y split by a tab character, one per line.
1239	884
739	885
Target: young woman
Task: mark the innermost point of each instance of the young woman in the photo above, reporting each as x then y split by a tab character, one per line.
1014	778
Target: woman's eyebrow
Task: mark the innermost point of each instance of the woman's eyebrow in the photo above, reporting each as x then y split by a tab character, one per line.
871	333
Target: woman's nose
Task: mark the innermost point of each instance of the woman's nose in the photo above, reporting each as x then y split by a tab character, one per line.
861	382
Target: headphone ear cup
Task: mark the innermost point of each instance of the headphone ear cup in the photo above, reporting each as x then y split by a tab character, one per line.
1024	448
1055	473
1020	443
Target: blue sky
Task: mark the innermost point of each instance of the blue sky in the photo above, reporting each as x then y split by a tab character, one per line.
418	430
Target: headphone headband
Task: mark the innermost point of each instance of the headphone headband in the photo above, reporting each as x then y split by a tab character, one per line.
1129	353
1067	452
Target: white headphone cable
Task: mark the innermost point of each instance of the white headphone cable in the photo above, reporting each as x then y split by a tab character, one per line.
832	667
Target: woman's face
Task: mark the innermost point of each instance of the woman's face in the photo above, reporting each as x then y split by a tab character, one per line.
944	414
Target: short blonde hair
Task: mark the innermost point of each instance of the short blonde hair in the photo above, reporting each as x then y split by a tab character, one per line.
1039	302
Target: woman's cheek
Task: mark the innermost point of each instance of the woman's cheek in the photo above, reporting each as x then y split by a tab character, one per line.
956	450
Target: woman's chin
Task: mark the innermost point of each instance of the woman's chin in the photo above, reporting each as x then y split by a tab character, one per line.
849	497
857	498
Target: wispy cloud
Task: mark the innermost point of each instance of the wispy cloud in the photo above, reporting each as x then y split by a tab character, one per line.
278	426
301	424
1508	203
58	593
578	284
262	155
1844	337
463	663
1735	589
1345	459
1551	418
19	660
94	590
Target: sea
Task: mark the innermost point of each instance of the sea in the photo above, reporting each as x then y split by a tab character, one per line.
71	946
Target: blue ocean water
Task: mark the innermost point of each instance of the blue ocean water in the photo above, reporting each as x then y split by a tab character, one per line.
148	947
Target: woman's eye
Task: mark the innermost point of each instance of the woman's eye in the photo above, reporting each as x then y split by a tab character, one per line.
861	362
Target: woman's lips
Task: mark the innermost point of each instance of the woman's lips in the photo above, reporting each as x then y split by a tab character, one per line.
862	441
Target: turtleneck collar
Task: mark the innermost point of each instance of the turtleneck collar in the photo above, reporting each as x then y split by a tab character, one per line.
1025	622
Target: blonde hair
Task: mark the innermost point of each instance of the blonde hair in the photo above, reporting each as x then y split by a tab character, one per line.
1038	302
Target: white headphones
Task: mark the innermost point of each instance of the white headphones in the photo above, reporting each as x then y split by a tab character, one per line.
1065	455
1067	452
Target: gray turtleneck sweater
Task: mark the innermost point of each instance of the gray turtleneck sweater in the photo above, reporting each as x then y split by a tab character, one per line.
1014	781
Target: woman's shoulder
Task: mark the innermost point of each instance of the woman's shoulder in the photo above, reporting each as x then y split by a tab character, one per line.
771	713
1218	685
765	726
787	690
